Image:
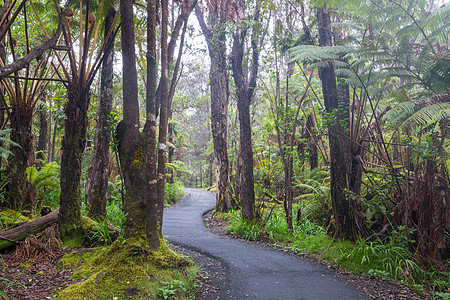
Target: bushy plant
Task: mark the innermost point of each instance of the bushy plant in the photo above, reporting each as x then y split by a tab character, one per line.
46	182
173	192
241	227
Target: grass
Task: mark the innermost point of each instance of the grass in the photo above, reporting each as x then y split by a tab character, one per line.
385	259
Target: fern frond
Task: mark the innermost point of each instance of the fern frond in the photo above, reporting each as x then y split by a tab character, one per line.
430	114
399	113
309	53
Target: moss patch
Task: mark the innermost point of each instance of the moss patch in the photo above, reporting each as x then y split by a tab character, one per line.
10	218
126	270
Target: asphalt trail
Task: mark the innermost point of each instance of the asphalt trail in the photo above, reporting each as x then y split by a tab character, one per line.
254	271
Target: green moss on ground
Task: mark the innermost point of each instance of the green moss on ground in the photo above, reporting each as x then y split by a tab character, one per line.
127	270
10	218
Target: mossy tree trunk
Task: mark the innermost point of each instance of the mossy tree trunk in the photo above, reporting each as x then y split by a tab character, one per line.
153	206
73	144
22	156
97	180
131	151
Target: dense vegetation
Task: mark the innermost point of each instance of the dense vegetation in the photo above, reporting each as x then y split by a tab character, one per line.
322	126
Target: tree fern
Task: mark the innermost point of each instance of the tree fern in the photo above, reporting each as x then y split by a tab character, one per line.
46	177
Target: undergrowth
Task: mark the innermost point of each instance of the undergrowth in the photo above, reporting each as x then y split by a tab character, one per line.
388	258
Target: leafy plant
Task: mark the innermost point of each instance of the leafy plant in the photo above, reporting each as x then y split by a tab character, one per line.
241	227
4	140
46	182
169	289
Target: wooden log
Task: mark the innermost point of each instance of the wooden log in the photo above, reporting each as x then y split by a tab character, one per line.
11	237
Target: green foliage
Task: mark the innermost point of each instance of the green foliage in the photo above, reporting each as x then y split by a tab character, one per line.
114	214
314	201
4	140
170	289
241	227
46	183
173	192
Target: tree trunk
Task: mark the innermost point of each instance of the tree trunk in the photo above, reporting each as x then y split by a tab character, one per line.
215	36
10	237
310	135
73	145
97	180
154	208
3	58
336	132
43	133
244	90
131	150
22	156
164	111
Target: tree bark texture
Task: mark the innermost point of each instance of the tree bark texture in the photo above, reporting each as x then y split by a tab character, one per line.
215	36
22	156
244	89
130	143
247	194
154	208
3	10
163	112
338	149
73	144
97	180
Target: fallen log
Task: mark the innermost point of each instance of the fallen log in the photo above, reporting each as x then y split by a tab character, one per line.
11	237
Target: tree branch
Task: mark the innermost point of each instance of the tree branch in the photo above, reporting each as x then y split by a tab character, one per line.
35	53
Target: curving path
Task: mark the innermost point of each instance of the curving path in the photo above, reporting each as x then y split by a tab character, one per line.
254	271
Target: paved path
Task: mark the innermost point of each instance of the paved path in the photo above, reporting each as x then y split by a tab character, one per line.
254	271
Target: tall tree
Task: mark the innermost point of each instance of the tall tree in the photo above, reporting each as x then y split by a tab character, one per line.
151	197
245	86
79	80
215	35
97	180
336	134
130	141
22	93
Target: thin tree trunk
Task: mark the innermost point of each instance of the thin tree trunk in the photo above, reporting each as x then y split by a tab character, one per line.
154	208
97	180
43	133
310	135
